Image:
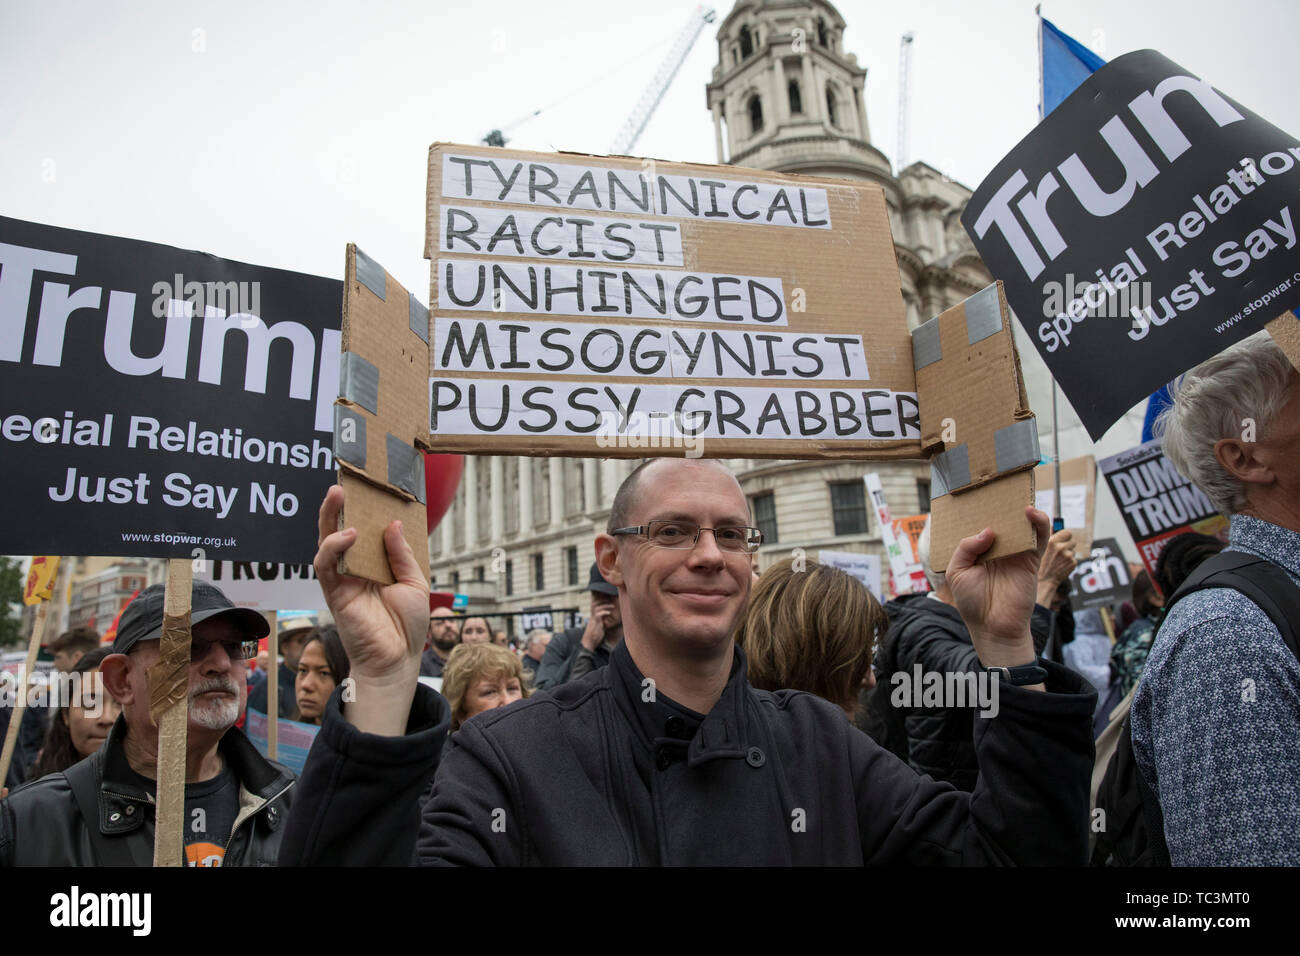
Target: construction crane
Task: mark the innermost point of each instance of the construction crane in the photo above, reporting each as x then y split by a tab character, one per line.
654	93
904	96
497	137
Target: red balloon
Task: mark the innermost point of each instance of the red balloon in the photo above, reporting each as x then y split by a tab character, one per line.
441	478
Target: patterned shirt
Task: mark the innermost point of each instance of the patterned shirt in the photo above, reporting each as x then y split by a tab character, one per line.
1216	720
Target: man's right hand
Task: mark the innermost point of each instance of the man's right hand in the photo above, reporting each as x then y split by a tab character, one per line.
1057	564
593	635
383	628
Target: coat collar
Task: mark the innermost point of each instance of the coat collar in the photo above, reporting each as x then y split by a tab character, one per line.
122	800
665	725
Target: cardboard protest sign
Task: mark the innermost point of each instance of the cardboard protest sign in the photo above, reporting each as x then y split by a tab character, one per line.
1285	330
380	415
610	307
1158	503
614	307
160	402
266	585
864	567
1102	578
1146	224
1078	496
976	426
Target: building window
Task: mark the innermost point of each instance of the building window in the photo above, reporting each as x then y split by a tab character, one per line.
923	494
821	31
510	577
455	581
796	99
755	115
849	507
571	561
746	43
478	572
539	580
433	582
765	516
830	106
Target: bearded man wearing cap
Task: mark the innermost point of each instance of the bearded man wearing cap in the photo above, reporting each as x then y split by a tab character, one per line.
100	812
580	650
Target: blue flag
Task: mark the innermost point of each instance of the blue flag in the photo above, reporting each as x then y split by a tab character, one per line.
1066	64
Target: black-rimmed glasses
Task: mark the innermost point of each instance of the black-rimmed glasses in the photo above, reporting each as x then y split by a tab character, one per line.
683	535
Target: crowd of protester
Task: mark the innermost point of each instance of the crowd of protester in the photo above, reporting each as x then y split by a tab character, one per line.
704	713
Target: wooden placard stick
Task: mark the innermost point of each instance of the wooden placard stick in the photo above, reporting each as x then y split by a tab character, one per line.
20	706
169	707
1108	622
272	685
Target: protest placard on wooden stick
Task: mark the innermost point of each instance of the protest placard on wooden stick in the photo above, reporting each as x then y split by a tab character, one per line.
169	707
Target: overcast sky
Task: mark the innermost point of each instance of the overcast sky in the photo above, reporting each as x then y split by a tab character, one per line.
275	133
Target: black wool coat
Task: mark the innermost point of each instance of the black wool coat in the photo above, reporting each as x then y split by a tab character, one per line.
605	770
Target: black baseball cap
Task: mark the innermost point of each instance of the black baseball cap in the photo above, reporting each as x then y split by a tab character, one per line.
143	618
599	584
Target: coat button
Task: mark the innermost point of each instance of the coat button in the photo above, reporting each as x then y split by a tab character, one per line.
662	760
755	757
675	726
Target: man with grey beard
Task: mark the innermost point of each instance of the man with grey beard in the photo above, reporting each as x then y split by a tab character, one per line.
100	812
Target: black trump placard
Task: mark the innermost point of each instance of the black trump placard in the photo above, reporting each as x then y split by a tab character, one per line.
1145	225
161	403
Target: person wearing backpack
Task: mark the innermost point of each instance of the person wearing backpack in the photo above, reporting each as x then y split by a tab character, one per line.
1115	788
1216	716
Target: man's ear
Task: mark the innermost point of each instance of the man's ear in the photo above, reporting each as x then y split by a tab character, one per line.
607	559
115	669
1239	460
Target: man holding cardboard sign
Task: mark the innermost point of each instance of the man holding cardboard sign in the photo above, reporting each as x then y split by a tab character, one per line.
668	756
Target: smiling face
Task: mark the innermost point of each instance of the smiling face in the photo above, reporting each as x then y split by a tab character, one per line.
684	601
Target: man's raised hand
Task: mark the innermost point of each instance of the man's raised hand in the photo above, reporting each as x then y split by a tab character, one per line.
383	627
996	598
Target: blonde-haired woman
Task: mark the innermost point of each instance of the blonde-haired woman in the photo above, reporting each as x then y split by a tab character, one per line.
479	677
814	628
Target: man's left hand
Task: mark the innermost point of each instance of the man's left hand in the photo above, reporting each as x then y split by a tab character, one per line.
996	598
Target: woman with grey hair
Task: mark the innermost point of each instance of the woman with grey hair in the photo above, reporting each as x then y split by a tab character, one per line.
1217	712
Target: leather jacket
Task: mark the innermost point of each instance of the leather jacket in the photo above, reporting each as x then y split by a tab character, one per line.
41	823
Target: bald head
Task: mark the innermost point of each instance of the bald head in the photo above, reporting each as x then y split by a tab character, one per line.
625	501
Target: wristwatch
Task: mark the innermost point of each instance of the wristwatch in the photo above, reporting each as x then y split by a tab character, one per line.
1032	673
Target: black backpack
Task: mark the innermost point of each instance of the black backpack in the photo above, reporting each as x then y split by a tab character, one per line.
1135	831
